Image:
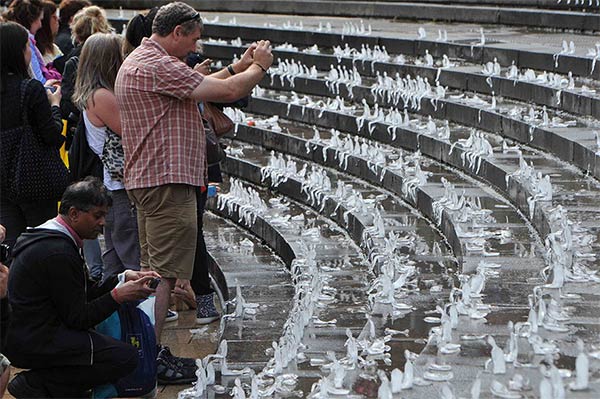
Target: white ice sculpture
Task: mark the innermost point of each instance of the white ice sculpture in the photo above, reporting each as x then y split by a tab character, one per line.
442	36
476	389
497	361
582	369
558	389
475	149
385	387
409	371
513	345
238	392
396	380
241	306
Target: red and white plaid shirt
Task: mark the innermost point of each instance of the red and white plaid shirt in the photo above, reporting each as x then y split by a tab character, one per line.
163	135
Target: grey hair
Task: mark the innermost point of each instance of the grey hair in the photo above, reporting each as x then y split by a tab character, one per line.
171	15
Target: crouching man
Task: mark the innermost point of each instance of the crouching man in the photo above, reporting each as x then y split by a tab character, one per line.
55	305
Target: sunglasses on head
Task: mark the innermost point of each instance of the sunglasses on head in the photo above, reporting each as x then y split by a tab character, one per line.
196	16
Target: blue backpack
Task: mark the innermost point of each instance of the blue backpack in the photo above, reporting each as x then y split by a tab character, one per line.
133	323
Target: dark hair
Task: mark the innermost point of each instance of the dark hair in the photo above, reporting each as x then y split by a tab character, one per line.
85	195
13	41
24	12
173	14
68	8
140	27
44	38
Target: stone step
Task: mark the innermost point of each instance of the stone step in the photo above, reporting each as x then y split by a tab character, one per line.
526	56
496	321
474	367
496	165
463	76
254	159
493	170
548	4
574	145
331	247
527	49
541	18
264	279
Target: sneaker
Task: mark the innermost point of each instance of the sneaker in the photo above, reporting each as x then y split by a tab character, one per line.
21	388
169	374
205	309
187	362
172	315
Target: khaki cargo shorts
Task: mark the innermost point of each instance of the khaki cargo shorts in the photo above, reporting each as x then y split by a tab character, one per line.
168	228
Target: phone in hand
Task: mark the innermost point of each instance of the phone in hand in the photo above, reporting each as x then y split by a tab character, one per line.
51	88
154	283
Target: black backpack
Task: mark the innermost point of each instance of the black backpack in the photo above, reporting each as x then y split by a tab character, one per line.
83	161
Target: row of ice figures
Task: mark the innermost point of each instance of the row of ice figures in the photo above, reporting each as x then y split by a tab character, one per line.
583	3
406	89
362	353
490	69
441	37
340	74
379	54
244	200
311	292
365	53
290	70
533	181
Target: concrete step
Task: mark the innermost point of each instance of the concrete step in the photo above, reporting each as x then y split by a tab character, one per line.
542	18
463	76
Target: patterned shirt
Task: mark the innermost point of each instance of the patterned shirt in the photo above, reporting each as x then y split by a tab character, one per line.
162	131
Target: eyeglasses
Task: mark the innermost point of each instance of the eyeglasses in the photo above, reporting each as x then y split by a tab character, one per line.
196	16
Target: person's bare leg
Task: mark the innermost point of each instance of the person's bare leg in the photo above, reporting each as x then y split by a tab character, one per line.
163	298
4	381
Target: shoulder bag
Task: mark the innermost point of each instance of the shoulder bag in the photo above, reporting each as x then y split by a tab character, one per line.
39	173
220	122
214	150
83	161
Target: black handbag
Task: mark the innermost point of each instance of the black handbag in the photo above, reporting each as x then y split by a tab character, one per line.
83	161
39	173
215	152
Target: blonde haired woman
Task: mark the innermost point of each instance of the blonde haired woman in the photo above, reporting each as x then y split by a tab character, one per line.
99	63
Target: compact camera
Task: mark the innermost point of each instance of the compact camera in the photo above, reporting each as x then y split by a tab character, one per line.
154	283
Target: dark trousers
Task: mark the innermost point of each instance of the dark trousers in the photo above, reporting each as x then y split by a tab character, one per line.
200	281
112	360
121	236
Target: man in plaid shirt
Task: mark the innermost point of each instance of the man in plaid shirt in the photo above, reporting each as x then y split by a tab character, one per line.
164	146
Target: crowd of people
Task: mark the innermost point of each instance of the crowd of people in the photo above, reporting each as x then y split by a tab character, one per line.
67	80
